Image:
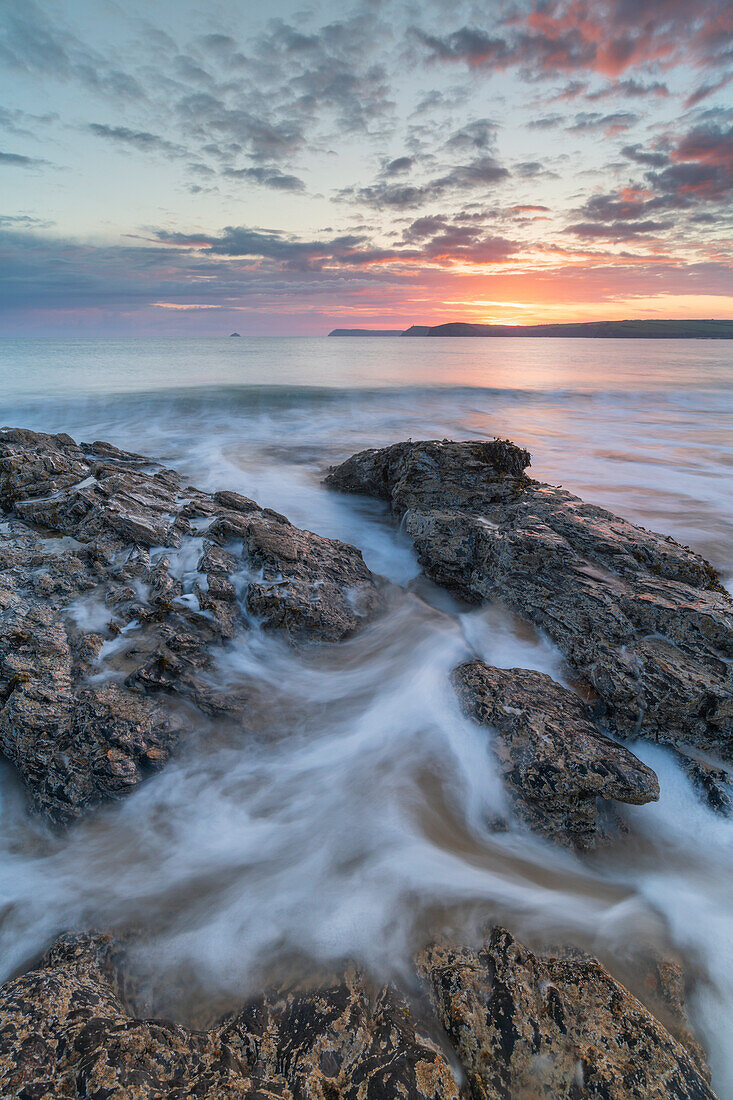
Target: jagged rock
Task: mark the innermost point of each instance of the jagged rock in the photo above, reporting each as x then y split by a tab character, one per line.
66	1030
642	618
312	586
114	573
553	1027
554	760
713	783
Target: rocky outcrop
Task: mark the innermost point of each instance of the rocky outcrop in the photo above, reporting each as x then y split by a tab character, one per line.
643	619
117	582
553	1026
66	1031
513	1022
554	761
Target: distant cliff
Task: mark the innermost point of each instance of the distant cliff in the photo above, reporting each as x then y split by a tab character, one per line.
631	330
716	330
367	332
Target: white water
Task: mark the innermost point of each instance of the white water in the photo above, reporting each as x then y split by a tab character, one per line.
353	815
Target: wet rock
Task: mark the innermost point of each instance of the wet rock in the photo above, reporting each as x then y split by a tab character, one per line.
554	760
117	585
643	619
712	782
314	587
664	994
551	1026
66	1030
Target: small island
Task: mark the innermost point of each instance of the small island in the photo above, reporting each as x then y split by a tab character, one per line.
234	334
633	330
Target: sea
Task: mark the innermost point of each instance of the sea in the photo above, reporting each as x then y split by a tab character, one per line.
354	817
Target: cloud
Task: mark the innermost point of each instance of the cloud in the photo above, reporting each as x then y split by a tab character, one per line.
55	284
442	238
251	108
399	166
546	122
480	49
700	168
24	221
706	90
630	89
477	135
17	160
137	139
434	238
610	124
266	177
30	42
481	172
645	156
697	170
618	230
603	36
16	122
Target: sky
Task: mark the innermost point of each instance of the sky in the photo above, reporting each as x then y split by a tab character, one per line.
189	168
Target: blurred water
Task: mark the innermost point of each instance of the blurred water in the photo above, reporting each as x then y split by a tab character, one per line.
353	815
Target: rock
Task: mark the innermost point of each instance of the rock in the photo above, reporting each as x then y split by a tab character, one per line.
117	582
712	782
643	619
66	1030
551	1027
554	760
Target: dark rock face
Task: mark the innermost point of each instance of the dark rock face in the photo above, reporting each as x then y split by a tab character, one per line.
116	581
642	618
554	760
553	1027
66	1031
